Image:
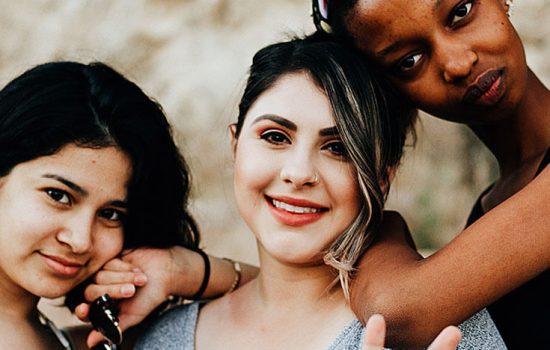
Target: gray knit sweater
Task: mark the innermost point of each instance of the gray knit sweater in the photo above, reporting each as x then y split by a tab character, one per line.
175	330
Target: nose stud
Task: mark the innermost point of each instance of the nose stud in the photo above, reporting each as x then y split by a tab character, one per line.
312	179
315	179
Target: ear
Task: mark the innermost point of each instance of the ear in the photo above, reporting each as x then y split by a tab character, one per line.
233	130
390	173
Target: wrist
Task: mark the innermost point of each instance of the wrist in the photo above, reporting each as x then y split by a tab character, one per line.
186	272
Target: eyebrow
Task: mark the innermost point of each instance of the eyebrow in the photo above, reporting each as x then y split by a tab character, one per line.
392	48
277	119
395	46
67	183
120	204
81	191
330	131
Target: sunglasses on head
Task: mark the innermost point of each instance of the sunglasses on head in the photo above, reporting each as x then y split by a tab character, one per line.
320	16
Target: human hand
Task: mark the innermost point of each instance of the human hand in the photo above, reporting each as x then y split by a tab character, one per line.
154	271
375	334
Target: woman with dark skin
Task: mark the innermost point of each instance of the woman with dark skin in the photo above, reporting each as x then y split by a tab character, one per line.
463	61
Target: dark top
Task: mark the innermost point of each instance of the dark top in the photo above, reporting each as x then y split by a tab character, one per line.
523	315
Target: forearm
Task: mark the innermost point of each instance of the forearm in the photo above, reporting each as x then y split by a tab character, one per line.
501	251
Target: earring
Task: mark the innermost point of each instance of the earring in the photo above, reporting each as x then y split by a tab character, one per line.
510	4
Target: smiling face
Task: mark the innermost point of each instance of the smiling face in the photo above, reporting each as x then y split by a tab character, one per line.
460	60
60	218
294	186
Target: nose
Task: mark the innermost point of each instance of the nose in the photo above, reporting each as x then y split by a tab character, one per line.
77	233
299	170
457	61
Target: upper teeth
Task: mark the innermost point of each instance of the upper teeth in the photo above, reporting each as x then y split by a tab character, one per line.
294	209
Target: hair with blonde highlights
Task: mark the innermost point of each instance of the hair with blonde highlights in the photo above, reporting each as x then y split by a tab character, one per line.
372	120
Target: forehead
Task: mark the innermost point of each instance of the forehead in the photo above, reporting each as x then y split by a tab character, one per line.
375	22
294	95
98	170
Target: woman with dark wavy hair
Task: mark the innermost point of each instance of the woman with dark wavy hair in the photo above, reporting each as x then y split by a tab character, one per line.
88	167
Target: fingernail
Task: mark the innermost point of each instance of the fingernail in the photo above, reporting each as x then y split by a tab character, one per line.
127	290
136	269
140	279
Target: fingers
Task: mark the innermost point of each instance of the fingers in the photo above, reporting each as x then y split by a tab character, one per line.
448	339
118	265
375	333
116	291
81	311
116	277
94	338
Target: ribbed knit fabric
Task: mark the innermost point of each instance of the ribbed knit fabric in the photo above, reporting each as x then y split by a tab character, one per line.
175	330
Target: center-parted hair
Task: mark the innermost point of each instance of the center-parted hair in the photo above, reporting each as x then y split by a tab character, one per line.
372	120
91	105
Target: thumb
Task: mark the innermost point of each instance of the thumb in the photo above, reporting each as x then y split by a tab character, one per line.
94	338
448	339
375	333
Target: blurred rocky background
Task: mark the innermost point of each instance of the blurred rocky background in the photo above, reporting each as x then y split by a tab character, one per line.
192	56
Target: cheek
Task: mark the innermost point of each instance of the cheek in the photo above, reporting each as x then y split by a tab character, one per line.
344	189
107	246
254	171
27	220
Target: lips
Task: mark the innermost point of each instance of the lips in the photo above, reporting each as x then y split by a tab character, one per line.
61	265
488	88
295	212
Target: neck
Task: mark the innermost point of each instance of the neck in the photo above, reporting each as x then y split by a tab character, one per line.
16	303
525	130
295	289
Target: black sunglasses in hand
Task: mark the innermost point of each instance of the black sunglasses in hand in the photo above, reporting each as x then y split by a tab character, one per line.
103	316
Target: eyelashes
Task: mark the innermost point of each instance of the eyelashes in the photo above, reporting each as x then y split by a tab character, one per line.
460	12
278	138
59	196
64	198
458	16
275	137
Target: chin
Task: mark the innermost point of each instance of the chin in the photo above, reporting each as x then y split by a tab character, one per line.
50	289
298	258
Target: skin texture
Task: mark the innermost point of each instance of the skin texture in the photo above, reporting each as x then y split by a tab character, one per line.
270	155
393	280
375	332
436	54
45	220
289	157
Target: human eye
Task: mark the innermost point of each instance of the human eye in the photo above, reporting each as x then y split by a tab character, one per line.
460	12
337	148
275	137
58	195
408	62
110	214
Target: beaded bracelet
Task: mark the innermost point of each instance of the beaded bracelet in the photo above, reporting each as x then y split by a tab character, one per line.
237	268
